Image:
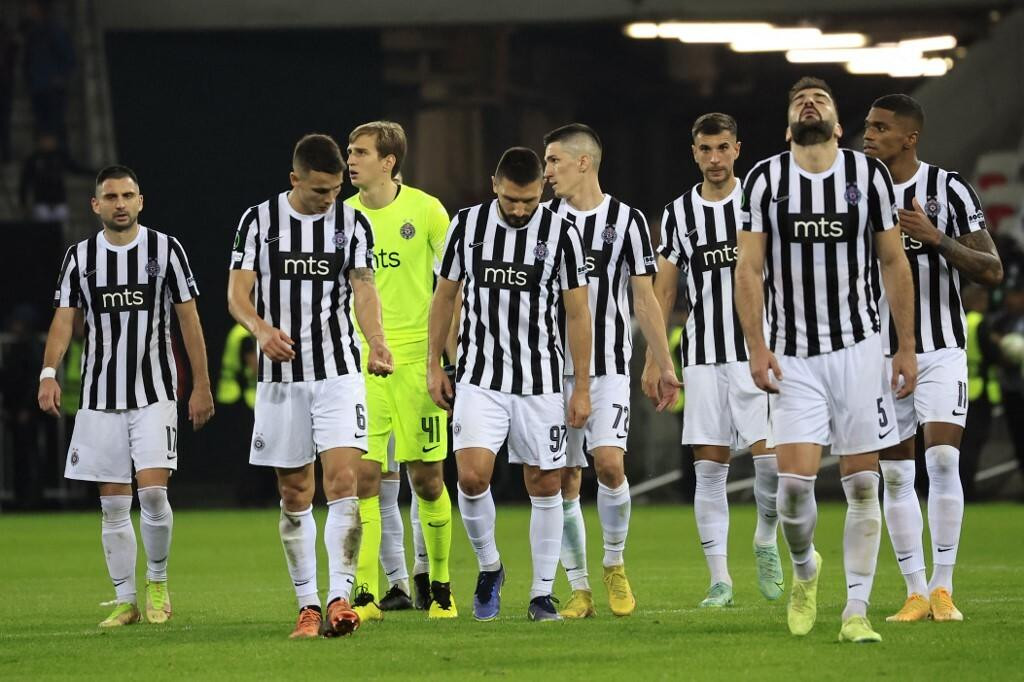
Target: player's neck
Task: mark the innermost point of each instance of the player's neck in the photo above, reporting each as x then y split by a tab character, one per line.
379	195
716	191
903	167
115	238
588	198
815	158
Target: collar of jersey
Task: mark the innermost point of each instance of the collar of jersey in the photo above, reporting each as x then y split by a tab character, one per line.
115	247
922	169
729	197
584	214
496	215
302	216
823	174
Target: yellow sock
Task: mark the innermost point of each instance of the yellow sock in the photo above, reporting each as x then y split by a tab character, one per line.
436	522
368	569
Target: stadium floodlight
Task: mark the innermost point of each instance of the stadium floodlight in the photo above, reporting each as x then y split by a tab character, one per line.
889	53
712	32
642	30
935	66
781	39
930	44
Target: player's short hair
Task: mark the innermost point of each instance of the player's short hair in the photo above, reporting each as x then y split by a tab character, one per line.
521	165
902	105
318	152
390	139
807	82
714	124
579	138
116	172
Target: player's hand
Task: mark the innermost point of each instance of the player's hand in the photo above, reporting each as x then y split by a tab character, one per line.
380	362
917	225
200	407
763	366
904	373
439	387
579	407
49	396
649	381
274	343
668	389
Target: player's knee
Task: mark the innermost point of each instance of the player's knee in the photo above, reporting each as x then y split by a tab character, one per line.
428	485
792	495
942	460
341	483
296	496
541	483
610	472
472	482
861	487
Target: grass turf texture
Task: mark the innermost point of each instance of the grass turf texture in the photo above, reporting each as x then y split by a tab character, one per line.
234	607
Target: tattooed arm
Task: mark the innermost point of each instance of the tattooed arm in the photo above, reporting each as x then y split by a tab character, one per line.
975	256
366	301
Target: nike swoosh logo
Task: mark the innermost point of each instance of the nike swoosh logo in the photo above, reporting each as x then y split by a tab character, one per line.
776	200
159	561
118	583
90	273
621	435
946	549
391	572
555	459
902	559
473	246
270	240
706	543
959	414
547	580
359	435
437	525
430	449
301	583
850	587
883	435
771	516
172	457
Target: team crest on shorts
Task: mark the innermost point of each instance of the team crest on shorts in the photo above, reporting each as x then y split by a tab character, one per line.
853	194
540	252
931	207
408	230
608	234
339	240
456	428
153	267
74	457
259	443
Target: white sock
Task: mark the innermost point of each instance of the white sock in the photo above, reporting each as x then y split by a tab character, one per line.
119	545
392	533
613	508
798	515
574	545
298	536
862	535
711	508
343	533
545	542
903	518
766	485
478	516
155	525
421	560
945	511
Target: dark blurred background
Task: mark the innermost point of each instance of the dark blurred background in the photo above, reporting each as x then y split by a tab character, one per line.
205	101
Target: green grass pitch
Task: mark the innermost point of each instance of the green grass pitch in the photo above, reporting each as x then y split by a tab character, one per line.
234	607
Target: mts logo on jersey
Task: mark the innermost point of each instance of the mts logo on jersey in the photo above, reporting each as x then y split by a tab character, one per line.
295	265
385	259
714	256
503	275
911	245
123	298
595	259
814	228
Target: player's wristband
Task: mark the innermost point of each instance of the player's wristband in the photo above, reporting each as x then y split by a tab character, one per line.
48	373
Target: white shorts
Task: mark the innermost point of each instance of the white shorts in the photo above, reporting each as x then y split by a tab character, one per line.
534	425
941	393
726	406
107	443
296	420
840	399
608	424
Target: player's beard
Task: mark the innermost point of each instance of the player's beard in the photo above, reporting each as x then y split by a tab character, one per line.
806	133
513	221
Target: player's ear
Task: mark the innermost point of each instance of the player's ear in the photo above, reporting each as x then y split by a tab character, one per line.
141	202
912	140
494	184
95	205
839	130
738	145
293	178
789	135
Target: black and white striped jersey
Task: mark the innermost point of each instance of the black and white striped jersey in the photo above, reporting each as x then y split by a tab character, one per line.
302	263
126	294
700	239
513	278
616	246
820	248
953	207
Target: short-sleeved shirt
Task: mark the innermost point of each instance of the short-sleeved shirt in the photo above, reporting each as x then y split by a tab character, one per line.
820	248
302	263
513	279
617	246
408	235
126	293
